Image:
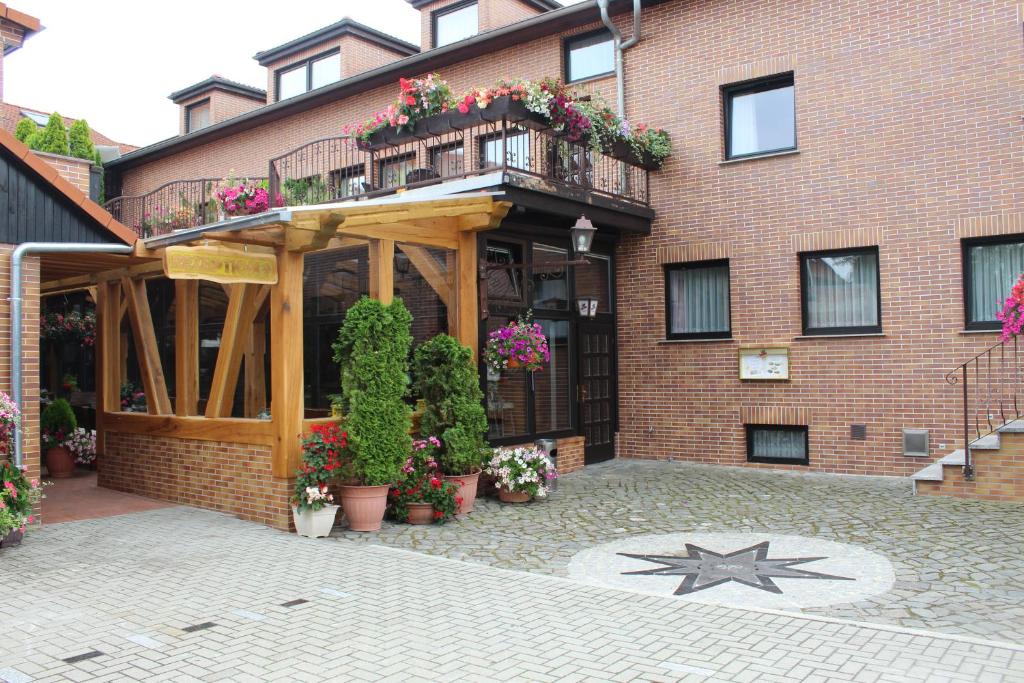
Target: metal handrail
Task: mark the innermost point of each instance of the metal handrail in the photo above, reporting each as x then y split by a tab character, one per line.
989	383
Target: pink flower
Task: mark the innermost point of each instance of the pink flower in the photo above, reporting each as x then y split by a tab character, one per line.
403	119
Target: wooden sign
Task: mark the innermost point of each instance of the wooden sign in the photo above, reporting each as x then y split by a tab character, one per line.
764	363
219	264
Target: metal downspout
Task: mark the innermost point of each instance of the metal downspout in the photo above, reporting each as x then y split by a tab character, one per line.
620	48
17	255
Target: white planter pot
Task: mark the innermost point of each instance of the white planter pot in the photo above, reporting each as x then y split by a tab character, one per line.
315	523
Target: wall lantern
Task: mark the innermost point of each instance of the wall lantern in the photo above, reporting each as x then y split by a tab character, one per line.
582	235
402	264
587	306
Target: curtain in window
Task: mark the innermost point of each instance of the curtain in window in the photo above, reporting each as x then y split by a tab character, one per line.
842	291
699	299
779	444
994	270
743	126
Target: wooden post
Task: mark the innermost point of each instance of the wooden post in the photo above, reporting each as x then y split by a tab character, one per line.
157	401
469	321
186	347
108	354
382	270
286	368
255	374
237	330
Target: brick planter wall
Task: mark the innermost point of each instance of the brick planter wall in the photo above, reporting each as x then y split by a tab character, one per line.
227	477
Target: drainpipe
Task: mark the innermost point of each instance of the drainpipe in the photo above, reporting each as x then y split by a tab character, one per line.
620	48
17	255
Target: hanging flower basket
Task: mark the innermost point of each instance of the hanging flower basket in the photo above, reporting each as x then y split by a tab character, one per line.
520	344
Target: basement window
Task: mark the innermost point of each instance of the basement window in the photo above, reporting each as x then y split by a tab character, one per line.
779	444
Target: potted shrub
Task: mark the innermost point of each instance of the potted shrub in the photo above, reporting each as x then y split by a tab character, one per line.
521	474
82	444
372	351
422	496
56	424
445	377
18	496
313	508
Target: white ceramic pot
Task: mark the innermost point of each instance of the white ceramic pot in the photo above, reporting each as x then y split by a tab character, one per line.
315	523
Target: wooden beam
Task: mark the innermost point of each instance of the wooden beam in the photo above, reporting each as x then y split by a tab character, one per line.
412	233
452	265
469	321
186	347
286	367
146	351
382	270
255	369
429	269
237	329
313	232
240	238
235	430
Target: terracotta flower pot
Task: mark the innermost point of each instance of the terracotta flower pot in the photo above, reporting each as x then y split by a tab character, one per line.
465	486
513	496
420	513
315	523
364	506
60	463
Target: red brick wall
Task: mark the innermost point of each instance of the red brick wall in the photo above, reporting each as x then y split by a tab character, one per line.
30	350
908	124
227	477
72	169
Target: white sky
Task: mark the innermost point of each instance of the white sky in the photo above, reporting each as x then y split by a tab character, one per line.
114	62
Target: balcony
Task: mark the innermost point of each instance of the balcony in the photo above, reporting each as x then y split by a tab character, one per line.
505	147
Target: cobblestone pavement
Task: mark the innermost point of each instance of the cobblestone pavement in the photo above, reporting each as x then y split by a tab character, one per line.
181	594
959	565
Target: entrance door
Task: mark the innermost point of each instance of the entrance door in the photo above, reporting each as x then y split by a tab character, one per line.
597	390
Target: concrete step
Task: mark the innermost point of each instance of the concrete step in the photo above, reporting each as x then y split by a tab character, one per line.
1013	427
932	472
954	458
986	443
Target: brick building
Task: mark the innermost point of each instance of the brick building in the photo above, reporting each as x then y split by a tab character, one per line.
844	198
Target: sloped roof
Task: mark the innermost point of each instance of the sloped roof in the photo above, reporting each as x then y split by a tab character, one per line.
344	27
27	22
48	174
216	82
10	114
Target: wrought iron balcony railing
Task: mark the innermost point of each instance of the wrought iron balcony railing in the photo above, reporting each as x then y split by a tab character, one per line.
504	138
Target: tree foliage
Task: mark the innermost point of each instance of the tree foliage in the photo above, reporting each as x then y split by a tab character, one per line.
373	352
80	141
445	377
53	138
26	128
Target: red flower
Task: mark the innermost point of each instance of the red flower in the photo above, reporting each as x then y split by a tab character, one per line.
410	100
438	514
458	500
435	483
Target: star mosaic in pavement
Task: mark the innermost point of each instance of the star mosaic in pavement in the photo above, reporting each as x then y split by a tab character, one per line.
751	566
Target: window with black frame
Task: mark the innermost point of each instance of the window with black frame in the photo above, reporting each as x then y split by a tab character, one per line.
448	160
455	22
697	300
197	116
516	145
309	74
991	267
840	292
394	172
590	55
780	444
522	404
347	182
760	117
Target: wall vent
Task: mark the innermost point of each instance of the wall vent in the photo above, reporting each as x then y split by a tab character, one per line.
915	443
859	432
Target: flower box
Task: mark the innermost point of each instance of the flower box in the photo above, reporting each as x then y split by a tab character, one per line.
513	111
623	151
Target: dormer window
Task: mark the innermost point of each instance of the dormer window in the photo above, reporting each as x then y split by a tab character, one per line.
456	22
309	74
197	116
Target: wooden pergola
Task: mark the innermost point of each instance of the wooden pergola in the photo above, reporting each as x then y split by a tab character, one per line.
258	260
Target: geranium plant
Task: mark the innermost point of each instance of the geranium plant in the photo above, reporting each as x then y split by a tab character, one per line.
78	327
82	444
519	344
18	495
244	198
323	458
1012	314
423	482
418	98
522	470
10	420
57	423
